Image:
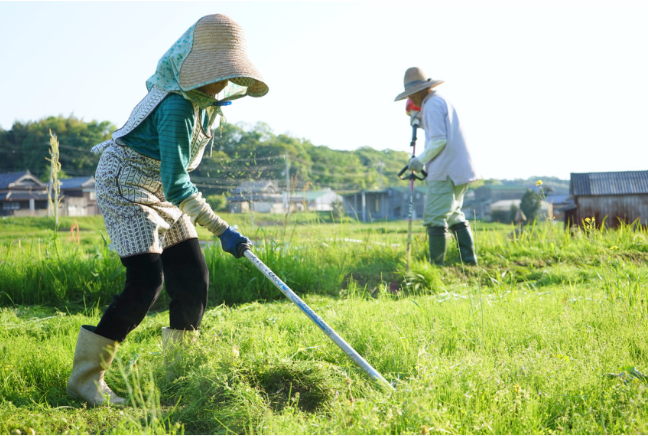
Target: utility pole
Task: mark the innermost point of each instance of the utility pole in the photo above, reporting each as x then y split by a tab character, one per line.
287	173
287	194
251	209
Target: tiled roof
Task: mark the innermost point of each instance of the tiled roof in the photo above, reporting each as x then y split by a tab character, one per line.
7	179
77	182
609	183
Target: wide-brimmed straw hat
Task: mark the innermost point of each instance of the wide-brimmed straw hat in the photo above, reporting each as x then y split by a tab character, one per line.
415	81
219	53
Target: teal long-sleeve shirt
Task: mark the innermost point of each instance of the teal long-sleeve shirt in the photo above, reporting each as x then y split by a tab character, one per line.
165	135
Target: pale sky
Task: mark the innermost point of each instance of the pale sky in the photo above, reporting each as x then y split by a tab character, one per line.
541	88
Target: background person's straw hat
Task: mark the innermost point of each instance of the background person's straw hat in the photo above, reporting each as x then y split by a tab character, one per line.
218	53
415	81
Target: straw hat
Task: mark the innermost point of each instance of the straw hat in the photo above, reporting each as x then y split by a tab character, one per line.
415	81
218	53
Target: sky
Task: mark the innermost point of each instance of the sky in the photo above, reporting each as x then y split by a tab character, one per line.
543	88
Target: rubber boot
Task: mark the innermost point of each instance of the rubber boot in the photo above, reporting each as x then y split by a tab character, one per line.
92	357
465	243
173	343
437	243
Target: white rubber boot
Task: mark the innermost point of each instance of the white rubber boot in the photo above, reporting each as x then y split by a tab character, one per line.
92	357
173	343
173	339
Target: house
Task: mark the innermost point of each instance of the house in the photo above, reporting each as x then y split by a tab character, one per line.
323	200
78	197
259	187
264	203
478	202
475	209
263	196
500	192
366	205
608	197
256	196
22	194
559	202
390	203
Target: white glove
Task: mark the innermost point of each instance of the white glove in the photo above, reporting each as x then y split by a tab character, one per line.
201	212
415	165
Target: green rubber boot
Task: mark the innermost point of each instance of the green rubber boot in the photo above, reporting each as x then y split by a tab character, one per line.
465	243
437	243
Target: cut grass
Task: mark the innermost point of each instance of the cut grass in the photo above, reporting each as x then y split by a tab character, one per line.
543	337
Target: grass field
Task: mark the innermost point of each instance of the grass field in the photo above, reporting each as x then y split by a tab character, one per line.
546	336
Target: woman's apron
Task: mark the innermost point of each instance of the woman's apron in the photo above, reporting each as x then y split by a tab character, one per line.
129	191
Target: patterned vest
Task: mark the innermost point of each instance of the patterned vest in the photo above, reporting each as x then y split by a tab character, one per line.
199	138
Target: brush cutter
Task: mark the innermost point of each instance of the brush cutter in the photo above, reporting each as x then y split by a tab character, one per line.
244	250
412	110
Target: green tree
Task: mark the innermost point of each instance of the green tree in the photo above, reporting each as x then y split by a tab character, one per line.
513	213
530	205
217	202
239	153
25	146
245	152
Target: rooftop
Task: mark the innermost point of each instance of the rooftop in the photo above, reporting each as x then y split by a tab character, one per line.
609	183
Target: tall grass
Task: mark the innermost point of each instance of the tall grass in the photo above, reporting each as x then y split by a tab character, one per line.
321	258
547	335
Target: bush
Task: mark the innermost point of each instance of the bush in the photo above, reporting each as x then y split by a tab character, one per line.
217	202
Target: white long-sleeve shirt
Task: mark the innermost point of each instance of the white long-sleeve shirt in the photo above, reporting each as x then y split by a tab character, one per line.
446	153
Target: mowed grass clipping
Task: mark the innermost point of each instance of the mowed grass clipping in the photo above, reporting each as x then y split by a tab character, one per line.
547	335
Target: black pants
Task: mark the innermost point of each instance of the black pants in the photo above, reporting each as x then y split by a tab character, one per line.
182	267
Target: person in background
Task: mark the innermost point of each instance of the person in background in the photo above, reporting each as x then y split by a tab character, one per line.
149	204
448	164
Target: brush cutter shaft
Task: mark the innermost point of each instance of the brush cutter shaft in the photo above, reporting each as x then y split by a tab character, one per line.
348	350
414	127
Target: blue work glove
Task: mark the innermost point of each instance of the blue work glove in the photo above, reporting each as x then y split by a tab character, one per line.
233	242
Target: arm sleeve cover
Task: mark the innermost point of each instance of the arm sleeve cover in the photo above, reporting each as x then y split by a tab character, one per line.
432	149
201	212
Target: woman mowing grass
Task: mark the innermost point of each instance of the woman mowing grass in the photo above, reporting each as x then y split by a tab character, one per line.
149	203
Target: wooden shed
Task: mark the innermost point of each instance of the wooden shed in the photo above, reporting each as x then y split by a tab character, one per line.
609	197
390	203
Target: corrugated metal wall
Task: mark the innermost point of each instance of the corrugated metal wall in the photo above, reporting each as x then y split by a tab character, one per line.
616	207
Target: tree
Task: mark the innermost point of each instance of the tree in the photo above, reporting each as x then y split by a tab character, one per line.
26	145
218	203
513	213
530	205
240	153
